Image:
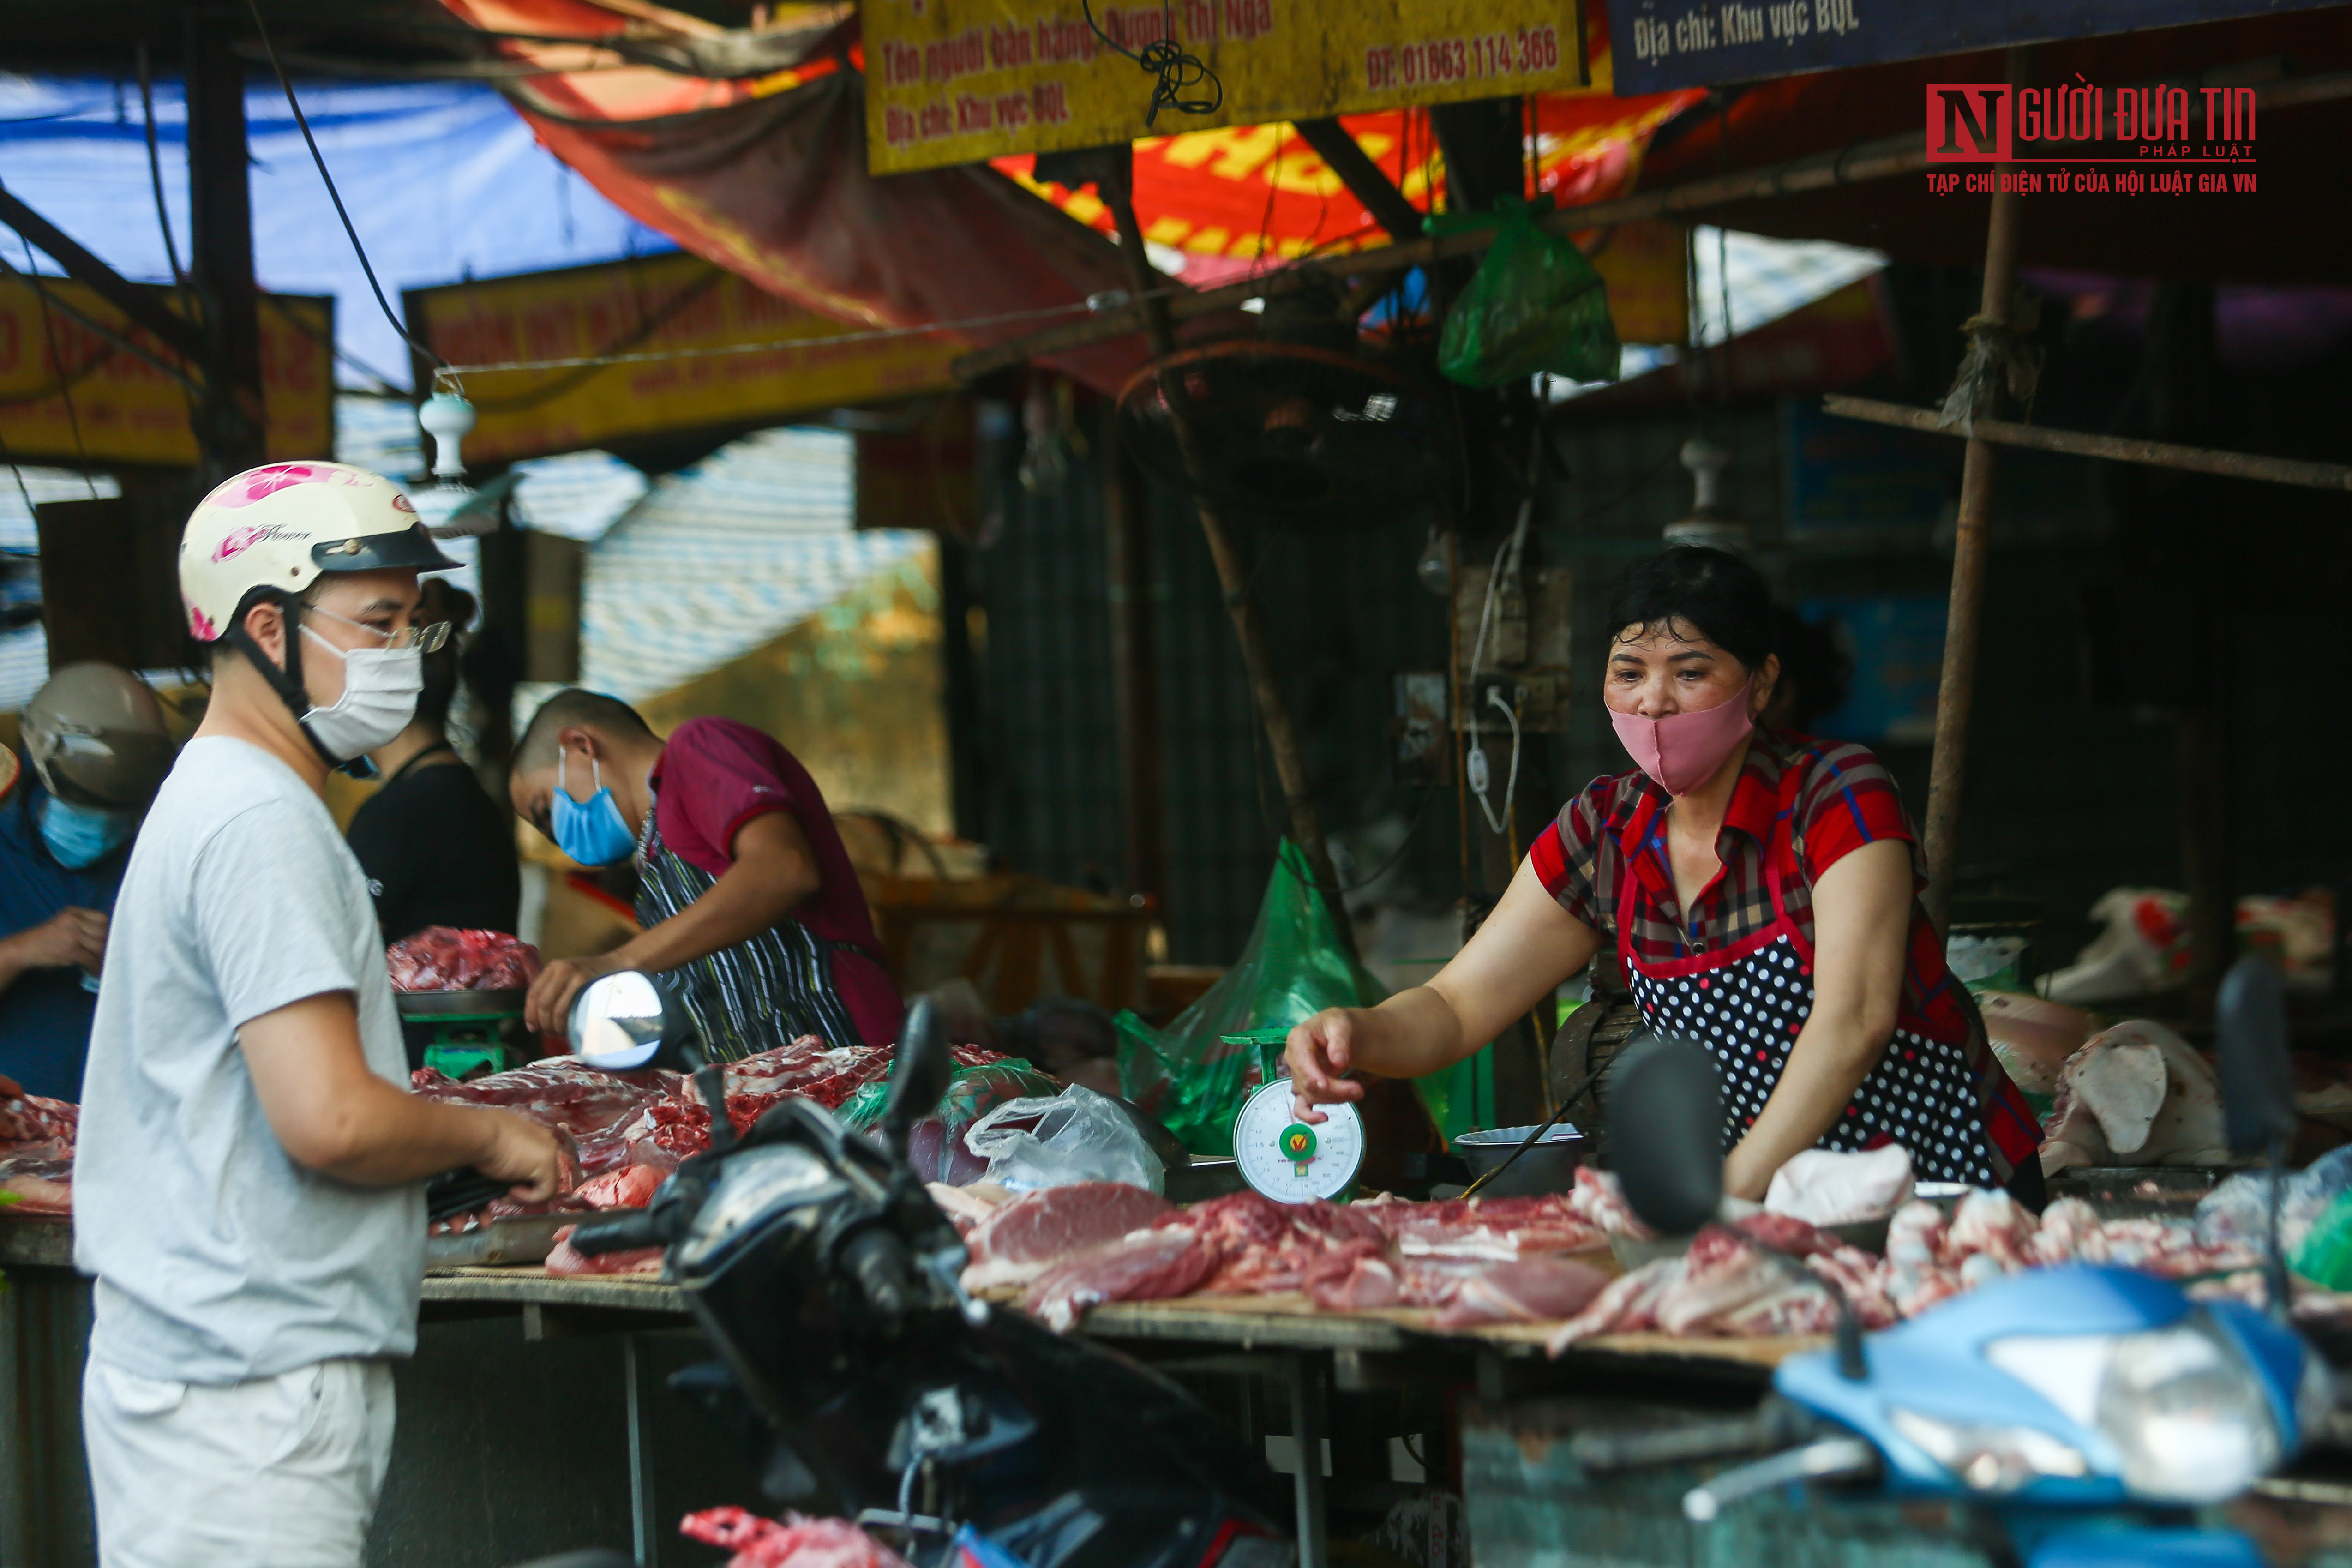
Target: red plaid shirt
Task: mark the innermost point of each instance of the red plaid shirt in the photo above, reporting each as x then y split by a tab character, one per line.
1844	800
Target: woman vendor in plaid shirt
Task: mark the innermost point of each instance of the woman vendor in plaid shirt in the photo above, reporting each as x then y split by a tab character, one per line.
1760	887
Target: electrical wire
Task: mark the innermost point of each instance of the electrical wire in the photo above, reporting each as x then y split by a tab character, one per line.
156	171
303	121
65	386
1175	72
97	329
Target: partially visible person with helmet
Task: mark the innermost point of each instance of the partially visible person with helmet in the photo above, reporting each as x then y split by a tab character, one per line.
97	746
248	1182
437	849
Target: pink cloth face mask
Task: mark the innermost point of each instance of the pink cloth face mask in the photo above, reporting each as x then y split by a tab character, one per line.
1682	750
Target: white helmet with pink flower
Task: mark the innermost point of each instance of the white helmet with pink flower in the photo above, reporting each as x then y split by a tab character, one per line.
273	529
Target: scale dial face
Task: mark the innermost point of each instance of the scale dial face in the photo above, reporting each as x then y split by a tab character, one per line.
1290	1161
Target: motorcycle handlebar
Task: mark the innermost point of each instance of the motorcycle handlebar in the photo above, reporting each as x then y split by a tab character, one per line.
626	1230
876	1261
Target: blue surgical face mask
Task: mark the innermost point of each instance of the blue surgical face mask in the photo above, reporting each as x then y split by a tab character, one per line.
592	831
81	835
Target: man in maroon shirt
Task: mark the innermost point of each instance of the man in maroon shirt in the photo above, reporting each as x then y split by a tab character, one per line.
746	897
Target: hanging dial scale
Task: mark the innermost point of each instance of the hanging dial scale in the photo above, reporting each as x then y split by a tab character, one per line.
1287	1159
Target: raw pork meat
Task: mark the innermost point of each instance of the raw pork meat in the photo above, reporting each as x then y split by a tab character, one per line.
1355	1283
443	958
1267	1247
37	1178
797	1541
968	1207
1629	1305
2136	1095
1538	1290
1600	1202
1149	1266
1826	1186
1491	1229
630	1187
36	1151
567	1261
1024	1239
33	1119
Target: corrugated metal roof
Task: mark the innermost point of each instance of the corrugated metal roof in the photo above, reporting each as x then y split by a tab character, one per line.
724	557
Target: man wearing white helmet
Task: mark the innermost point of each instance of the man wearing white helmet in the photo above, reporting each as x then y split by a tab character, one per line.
247	1187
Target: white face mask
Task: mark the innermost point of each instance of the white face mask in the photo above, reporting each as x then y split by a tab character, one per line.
380	689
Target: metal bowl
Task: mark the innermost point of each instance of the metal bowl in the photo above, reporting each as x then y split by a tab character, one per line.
1548	1167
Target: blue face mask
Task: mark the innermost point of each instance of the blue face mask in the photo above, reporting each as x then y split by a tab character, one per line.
81	835
592	831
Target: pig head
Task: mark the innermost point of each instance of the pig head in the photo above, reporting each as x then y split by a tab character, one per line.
2135	1095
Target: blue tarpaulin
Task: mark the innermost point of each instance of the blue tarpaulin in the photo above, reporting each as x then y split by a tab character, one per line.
443	181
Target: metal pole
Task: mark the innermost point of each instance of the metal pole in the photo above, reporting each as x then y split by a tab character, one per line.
220	252
643	1545
1307	1425
1956	694
1273	713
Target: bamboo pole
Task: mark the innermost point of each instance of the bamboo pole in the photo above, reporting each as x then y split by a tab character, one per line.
1274	712
1956	692
2109	449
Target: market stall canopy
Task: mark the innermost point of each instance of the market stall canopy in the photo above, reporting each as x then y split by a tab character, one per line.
2263	235
440	178
766	175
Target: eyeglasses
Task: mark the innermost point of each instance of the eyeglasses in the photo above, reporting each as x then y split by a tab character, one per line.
424	639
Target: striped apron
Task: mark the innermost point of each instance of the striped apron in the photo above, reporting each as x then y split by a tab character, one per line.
765	991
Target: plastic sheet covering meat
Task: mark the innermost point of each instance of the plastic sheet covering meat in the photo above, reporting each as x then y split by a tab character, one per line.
981	1082
769	180
794	1542
444	958
1294	966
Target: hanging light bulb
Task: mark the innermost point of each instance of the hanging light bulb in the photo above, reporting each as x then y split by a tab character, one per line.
1711	522
452	507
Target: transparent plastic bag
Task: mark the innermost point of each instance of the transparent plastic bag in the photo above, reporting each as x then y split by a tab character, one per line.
2239	1209
934	1147
1077	1136
1535	304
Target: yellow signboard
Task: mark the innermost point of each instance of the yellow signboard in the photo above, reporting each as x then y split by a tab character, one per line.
954	81
69	395
650	307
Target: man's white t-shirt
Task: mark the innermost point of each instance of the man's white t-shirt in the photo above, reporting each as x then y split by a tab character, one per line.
219	1259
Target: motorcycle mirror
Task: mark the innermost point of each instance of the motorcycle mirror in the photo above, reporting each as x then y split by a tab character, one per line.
2257	1085
1665	1134
622	1021
918	1074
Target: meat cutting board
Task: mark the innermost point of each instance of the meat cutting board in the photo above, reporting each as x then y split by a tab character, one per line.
525	1240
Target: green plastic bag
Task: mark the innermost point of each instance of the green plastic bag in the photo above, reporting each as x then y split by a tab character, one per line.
1535	305
2325	1255
1187	1075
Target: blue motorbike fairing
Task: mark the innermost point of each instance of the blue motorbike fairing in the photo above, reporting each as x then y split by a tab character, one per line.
2277	1353
1934	1366
2094	1547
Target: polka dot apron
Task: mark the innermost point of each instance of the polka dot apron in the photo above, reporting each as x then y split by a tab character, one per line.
1746	1006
